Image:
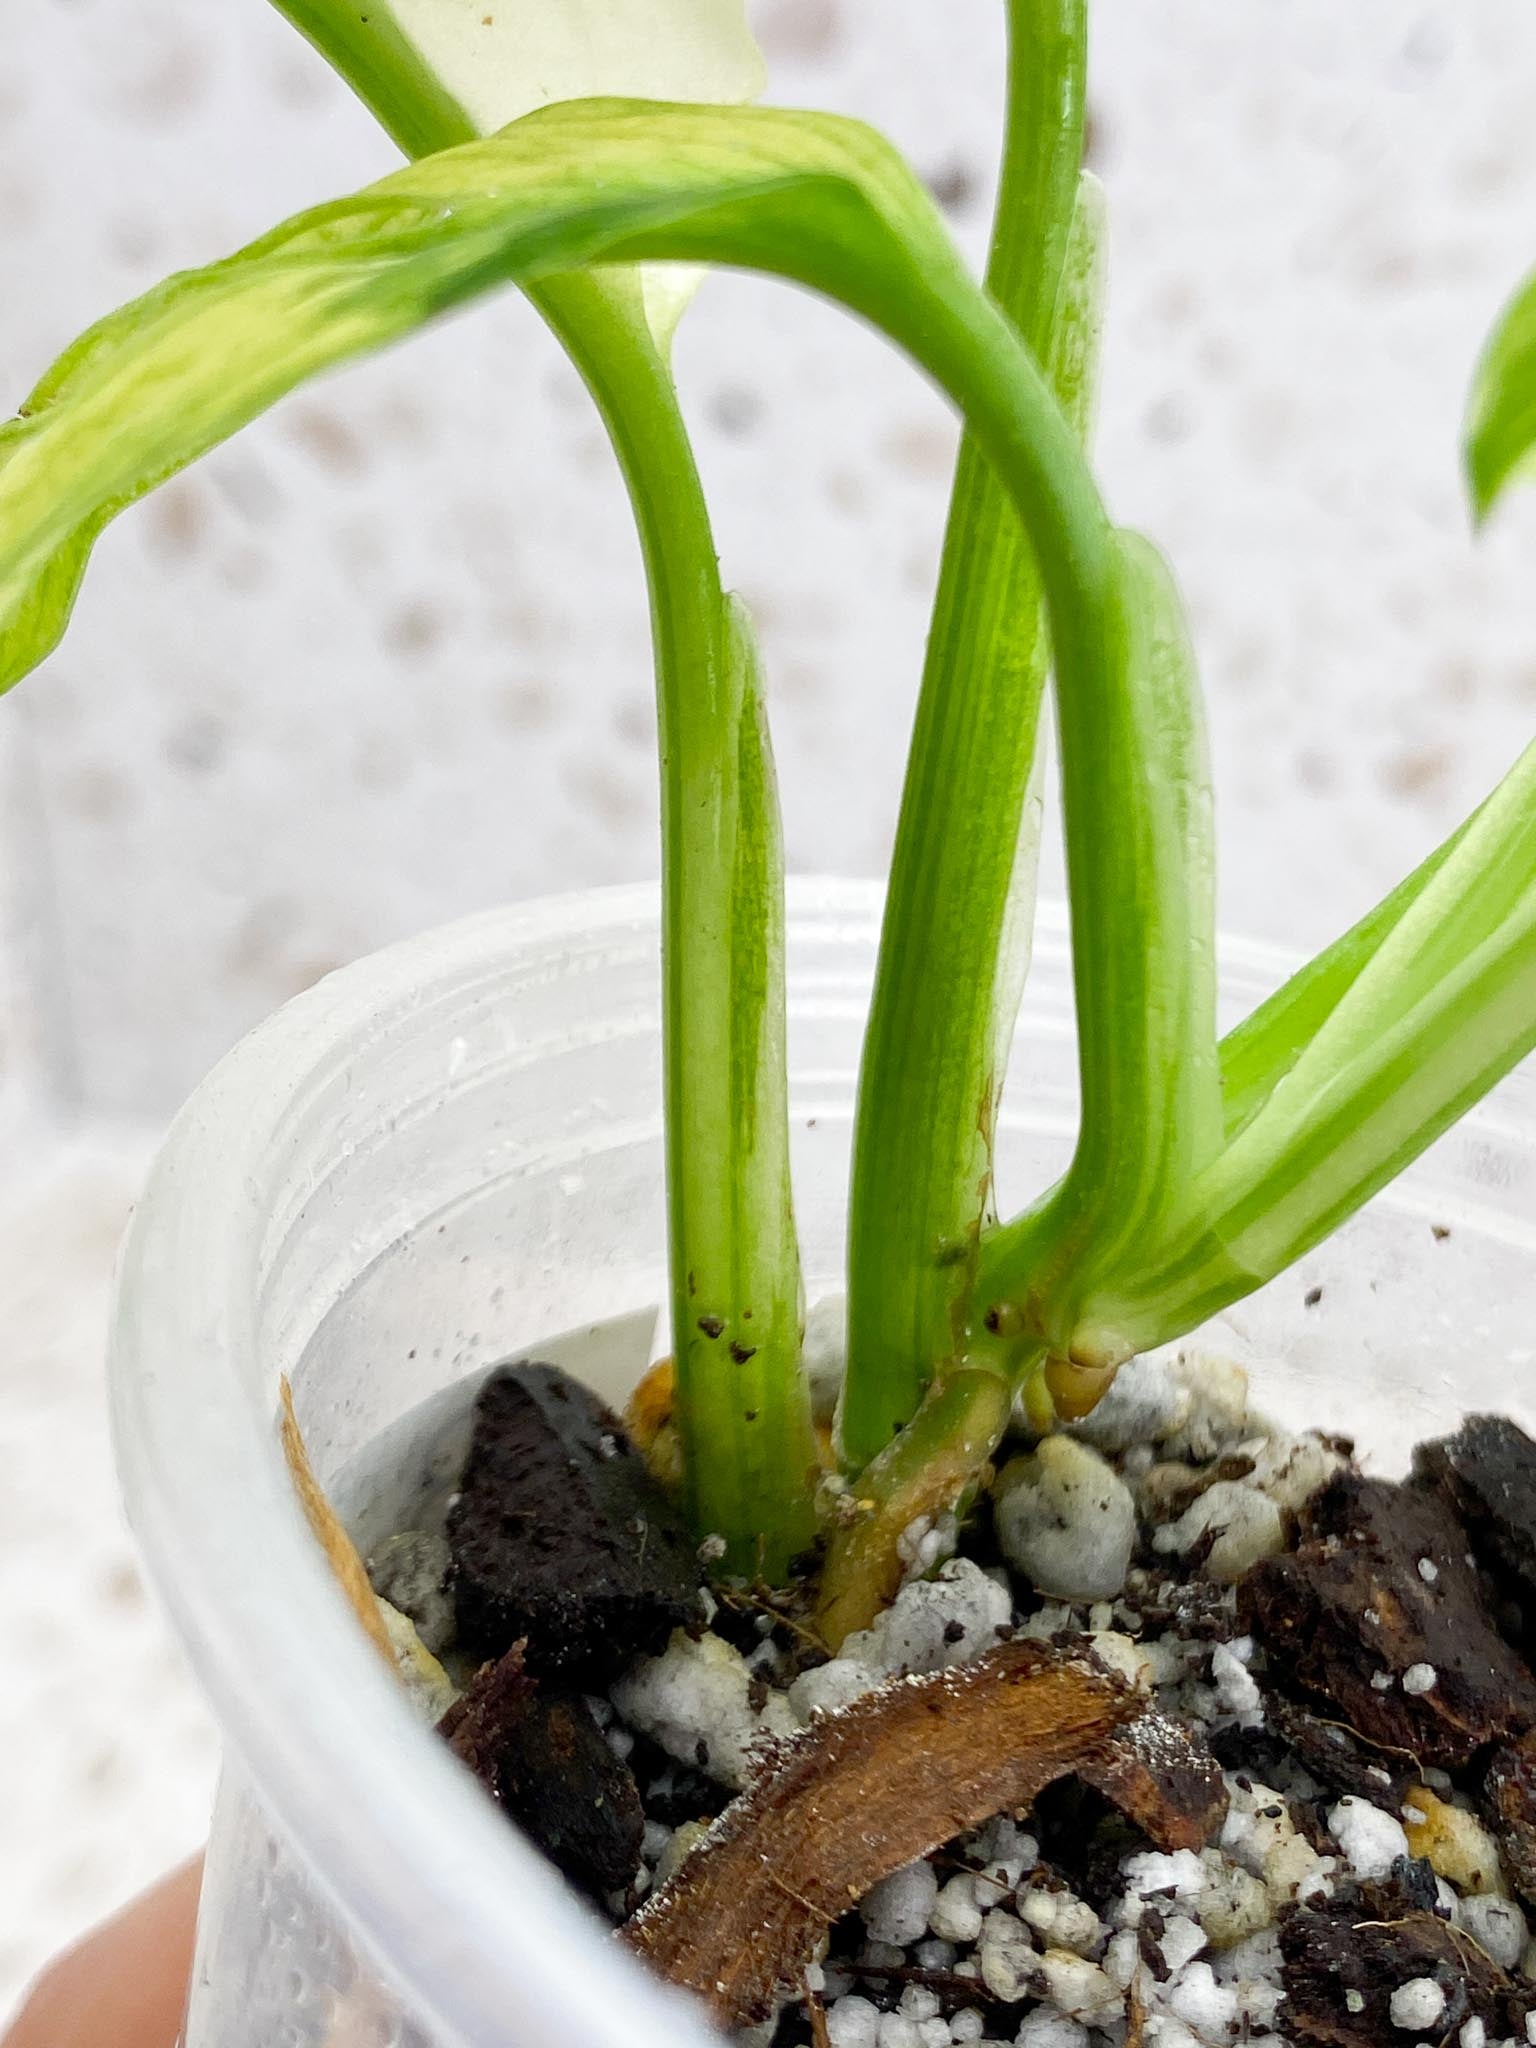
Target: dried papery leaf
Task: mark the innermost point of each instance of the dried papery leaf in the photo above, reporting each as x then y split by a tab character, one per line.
340	1550
890	1778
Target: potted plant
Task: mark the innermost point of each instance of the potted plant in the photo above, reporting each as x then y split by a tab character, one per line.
991	1388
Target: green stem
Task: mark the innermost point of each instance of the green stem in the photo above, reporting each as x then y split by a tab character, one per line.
944	993
366	48
742	1406
925	1470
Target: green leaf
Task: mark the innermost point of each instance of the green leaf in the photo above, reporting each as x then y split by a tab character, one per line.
958	920
808	196
1137	800
1442	1009
1258	1054
1500	434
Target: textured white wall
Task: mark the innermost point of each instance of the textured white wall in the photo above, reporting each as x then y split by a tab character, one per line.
383	659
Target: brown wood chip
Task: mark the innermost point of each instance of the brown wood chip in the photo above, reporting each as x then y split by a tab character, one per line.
340	1550
890	1778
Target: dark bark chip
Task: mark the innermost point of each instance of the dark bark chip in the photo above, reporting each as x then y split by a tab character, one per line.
560	1537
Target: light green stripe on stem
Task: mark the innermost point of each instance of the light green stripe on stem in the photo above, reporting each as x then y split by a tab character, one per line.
959	904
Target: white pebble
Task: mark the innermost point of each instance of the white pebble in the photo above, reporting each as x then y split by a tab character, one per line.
1497	1925
1371	1840
1218	1389
1122	1959
1007	1956
1181	1941
897	1908
853	2023
1144	1403
824	1353
1420	1678
882	1955
919	2003
1149	1872
1119	1652
1061	1920
695	1700
1234	1683
1291	1469
1257	1819
956	1915
831	1686
1416	2005
1078	1986
1233	1903
1429	1571
1169	2032
1043	2028
1065	1520
934	1622
897	2031
1205	2006
1245	1525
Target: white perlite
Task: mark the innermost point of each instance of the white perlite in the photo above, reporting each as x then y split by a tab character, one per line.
1419	1678
1066	1520
1218	1390
824	1353
853	2023
1245	1525
1043	2028
1291	1469
831	1686
695	1700
956	1915
1145	1403
1416	2005
1236	1689
933	1622
1007	1955
1078	1986
1497	1925
897	1909
1371	1840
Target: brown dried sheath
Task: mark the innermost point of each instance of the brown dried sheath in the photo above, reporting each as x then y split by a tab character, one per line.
867	1790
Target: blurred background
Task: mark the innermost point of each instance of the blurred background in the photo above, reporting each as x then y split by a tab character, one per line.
383	659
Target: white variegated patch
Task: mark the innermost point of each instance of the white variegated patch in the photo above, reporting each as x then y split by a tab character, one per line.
502	58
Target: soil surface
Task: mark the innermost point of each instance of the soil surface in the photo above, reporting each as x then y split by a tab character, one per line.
1249	1750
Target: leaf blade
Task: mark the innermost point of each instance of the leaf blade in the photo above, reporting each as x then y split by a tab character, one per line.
1499	437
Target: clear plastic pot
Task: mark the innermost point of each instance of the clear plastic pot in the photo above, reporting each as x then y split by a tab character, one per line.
429	1161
